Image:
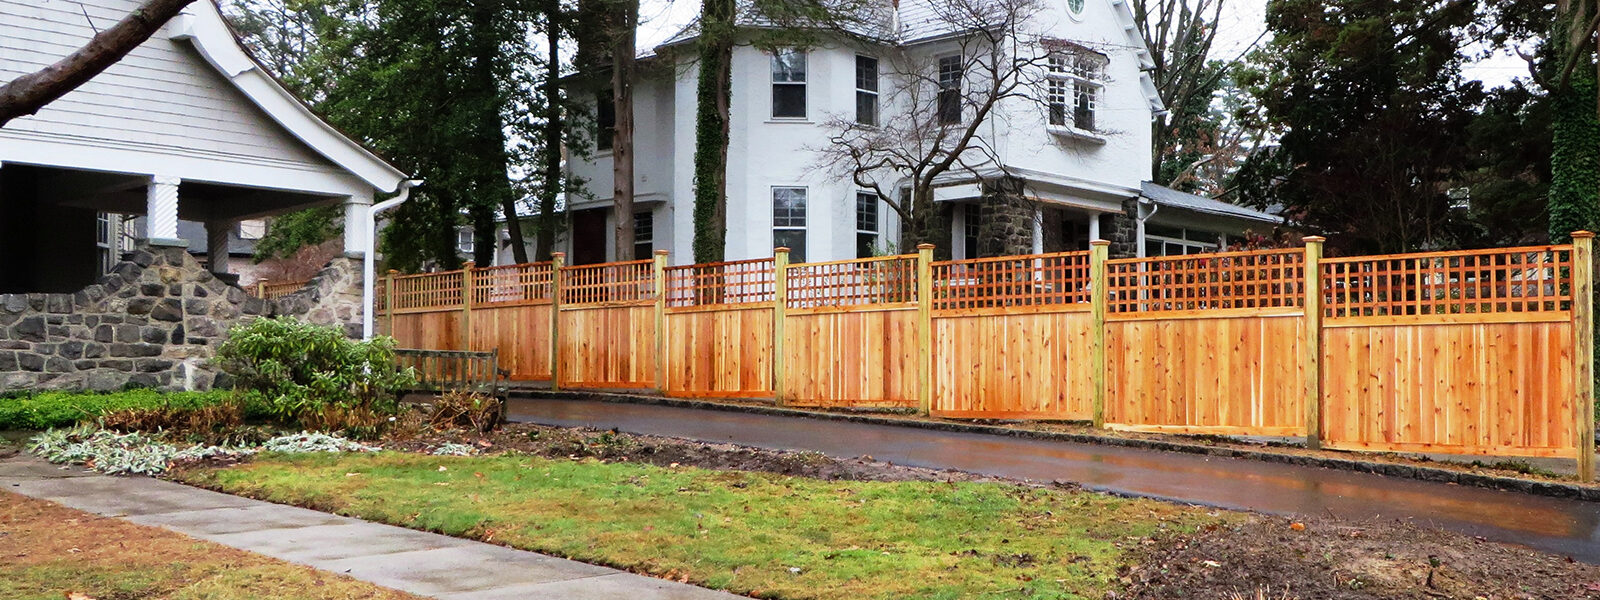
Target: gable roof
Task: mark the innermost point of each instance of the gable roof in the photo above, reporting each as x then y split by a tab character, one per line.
202	25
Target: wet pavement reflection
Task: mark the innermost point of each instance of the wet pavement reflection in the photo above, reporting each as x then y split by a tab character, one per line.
1569	527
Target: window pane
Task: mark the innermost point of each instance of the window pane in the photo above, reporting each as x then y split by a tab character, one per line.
866	108
866	245
644	226
867	212
789	100
789	207
1083	109
949	107
866	73
794	240
643	250
972	214
789	66
950	72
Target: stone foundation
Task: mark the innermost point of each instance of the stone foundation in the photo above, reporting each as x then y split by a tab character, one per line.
154	322
1007	220
1122	231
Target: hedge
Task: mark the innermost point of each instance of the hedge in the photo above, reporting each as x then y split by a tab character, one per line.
62	409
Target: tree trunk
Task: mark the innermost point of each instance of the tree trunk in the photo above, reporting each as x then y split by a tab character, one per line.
622	80
489	140
25	95
548	219
714	91
1575	160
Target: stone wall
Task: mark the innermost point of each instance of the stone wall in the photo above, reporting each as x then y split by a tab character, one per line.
1122	231
1006	227
153	321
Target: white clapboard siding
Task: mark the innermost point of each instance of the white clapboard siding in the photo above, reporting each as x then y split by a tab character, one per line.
163	95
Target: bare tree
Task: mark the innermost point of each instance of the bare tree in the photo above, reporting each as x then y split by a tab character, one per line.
939	103
27	94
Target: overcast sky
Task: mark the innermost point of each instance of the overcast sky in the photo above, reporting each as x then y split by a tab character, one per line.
1241	24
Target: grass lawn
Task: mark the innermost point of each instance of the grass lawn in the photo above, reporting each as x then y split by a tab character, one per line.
750	533
51	552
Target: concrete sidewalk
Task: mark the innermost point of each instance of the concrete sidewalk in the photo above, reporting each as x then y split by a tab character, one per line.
413	561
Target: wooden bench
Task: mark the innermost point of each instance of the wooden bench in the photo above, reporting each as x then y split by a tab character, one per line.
447	370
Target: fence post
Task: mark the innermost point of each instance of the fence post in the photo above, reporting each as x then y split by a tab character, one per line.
1311	344
661	321
388	299
780	306
925	328
1583	350
261	289
1099	251
466	305
556	261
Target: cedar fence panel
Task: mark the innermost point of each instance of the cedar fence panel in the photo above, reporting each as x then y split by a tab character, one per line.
511	315
850	334
1012	338
1456	352
718	327
1206	343
608	325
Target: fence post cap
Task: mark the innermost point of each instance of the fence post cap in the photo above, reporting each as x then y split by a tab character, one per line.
1099	242
924	246
468	265
1313	239
1582	234
558	254
661	253
394	271
782	249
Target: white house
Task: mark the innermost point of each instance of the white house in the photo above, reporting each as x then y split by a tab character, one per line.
1076	149
188	126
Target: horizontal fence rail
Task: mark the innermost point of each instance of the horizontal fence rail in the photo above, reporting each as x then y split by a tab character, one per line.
1468	352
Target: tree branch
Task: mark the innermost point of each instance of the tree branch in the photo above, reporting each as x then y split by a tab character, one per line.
27	94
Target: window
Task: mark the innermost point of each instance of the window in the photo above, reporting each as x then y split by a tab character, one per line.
464	240
971	228
252	229
950	74
1177	241
866	90
605	120
104	239
866	224
1074	80
789	84
789	221
1075	7
644	232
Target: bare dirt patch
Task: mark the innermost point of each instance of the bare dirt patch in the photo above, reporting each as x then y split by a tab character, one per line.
561	442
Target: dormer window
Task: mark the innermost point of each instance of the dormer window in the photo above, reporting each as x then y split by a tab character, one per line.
789	84
1074	78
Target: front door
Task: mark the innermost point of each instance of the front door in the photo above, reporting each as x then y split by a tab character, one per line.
589	236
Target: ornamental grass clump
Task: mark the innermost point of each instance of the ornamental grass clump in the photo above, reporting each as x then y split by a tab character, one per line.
315	377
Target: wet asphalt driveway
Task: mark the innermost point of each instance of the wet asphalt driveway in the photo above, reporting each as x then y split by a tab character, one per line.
1564	526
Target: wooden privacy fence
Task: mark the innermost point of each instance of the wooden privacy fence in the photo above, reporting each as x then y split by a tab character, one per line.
1472	352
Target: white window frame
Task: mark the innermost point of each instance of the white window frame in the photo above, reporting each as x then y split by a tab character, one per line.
805	76
862	92
805	218
877	219
466	242
649	237
957	84
1188	241
1071	74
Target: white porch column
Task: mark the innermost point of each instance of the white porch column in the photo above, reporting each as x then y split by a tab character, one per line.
356	228
161	211
1038	230
1094	226
217	244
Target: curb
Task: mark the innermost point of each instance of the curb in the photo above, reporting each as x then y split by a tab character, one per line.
1495	482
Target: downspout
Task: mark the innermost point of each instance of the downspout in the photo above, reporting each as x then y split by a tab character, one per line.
369	251
1139	233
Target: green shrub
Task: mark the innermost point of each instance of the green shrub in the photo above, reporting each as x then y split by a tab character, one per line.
314	375
45	410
